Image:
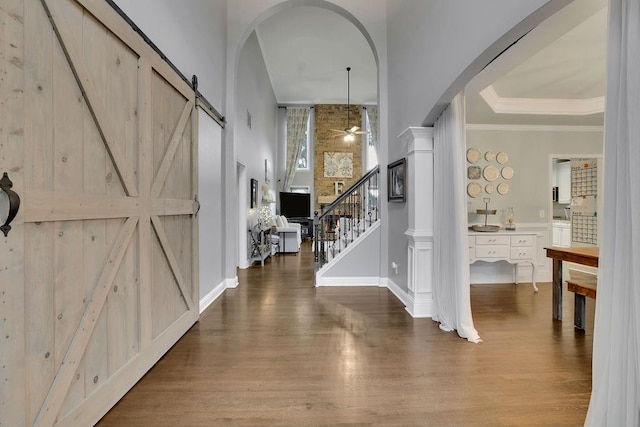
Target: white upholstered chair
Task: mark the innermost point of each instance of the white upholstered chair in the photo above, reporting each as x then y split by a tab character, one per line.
290	235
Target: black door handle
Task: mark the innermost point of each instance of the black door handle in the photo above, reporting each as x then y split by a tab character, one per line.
14	202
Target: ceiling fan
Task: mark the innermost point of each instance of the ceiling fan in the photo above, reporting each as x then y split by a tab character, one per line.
349	132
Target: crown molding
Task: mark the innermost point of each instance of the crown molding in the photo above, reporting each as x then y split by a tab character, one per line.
542	106
532	128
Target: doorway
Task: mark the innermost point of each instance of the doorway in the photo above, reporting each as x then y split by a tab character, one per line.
577	202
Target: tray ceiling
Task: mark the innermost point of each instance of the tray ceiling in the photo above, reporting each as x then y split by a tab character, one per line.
554	75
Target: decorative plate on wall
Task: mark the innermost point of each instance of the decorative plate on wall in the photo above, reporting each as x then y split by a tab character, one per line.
474	189
502	157
489	156
488	188
473	172
473	155
490	173
507	172
503	188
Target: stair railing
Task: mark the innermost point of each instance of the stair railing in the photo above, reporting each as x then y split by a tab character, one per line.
346	218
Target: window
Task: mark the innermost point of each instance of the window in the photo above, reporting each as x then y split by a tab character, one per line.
303	159
371	154
300	189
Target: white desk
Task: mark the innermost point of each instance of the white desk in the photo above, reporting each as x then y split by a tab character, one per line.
515	247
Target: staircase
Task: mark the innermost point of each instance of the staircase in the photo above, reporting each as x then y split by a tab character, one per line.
347	219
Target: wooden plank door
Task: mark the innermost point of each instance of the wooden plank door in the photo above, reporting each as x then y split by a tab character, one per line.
105	245
12	322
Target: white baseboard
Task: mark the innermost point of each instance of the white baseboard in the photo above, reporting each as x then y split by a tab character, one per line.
213	295
416	310
419	309
348	281
231	283
395	289
209	298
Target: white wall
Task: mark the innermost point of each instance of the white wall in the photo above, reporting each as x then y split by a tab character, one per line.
530	188
193	38
210	215
432	43
435	48
529	191
255	95
357	265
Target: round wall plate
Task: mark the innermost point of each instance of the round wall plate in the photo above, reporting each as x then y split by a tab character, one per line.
488	188
489	156
503	188
473	155
490	173
474	189
507	172
502	157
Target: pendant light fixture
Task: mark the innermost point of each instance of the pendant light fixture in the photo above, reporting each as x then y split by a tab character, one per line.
349	132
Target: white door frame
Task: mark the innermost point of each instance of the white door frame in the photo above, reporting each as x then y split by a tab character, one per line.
242	260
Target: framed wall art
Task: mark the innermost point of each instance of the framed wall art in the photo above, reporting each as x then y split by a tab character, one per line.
254	193
396	180
267	171
338	165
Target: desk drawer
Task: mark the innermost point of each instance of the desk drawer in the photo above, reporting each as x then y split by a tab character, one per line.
492	251
492	240
522	253
518	241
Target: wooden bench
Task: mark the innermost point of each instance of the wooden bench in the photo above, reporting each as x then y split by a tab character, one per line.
583	285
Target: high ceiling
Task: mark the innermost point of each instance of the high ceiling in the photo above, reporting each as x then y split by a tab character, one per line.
307	50
554	75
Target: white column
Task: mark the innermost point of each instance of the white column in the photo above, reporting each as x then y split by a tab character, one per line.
419	141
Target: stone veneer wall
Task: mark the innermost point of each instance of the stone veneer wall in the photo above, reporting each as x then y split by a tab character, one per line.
329	117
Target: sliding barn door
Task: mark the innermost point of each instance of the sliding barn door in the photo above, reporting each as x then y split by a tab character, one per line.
100	275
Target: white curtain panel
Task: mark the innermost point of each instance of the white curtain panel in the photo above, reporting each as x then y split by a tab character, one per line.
297	118
451	292
372	114
615	396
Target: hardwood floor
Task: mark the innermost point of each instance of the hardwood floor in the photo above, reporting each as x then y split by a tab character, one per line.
278	351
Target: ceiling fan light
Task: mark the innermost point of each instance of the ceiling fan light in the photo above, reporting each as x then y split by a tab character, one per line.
349	138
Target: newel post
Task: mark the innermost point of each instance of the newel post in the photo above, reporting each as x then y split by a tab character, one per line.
419	141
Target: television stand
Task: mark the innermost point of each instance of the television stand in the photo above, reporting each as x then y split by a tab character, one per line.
306	226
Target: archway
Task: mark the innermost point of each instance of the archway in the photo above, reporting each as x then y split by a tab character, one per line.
236	132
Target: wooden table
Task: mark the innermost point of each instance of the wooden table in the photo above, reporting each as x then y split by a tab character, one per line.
585	255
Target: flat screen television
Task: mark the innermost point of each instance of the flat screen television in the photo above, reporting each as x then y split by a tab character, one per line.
295	205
